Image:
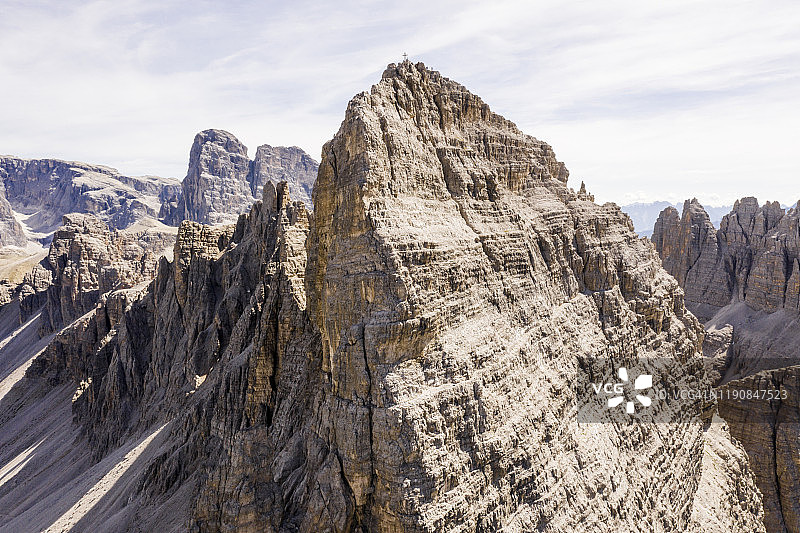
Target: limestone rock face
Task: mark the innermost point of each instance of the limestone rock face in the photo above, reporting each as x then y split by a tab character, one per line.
727	498
690	250
47	189
718	347
743	281
279	163
215	189
205	344
403	359
85	261
769	431
743	277
11	232
764	245
36	195
222	182
396	392
753	257
171	201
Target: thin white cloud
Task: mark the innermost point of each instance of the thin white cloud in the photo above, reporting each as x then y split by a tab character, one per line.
668	100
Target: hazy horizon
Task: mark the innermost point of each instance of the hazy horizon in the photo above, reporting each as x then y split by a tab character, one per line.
643	103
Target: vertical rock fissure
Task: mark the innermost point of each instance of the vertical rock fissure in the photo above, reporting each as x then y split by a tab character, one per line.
788	263
370	406
389	150
334	166
779	500
275	348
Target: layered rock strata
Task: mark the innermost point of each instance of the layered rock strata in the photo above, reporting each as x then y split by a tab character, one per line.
769	430
85	261
44	190
754	257
279	163
690	250
403	359
11	232
743	280
215	189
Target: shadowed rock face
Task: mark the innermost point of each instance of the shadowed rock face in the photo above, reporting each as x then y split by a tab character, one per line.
11	232
769	431
215	189
85	261
403	359
222	182
279	163
690	250
742	278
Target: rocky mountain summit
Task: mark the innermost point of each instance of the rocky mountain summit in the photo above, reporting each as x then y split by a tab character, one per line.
402	359
222	182
743	279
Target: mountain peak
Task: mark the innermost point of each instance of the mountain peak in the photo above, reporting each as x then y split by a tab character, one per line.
222	182
221	138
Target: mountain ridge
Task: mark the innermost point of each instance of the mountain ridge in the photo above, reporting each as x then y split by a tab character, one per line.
401	359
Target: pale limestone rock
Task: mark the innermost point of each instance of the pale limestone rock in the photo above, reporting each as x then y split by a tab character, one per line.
446	249
718	347
751	258
690	251
47	189
727	498
85	261
752	339
404	358
215	189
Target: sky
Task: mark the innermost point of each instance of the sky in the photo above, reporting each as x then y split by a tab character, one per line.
644	101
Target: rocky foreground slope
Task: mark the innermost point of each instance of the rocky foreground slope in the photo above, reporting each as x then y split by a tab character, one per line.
402	359
744	280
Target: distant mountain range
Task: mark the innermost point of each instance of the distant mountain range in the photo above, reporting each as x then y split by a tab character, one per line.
644	215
